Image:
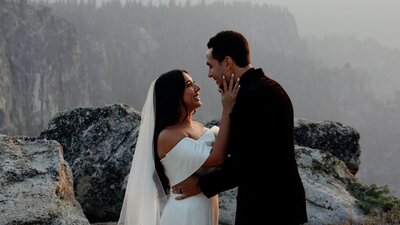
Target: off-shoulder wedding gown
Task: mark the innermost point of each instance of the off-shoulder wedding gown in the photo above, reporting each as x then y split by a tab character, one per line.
182	161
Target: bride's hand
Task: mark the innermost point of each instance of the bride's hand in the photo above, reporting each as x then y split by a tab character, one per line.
229	92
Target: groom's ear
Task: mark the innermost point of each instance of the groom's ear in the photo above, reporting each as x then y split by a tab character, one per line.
228	63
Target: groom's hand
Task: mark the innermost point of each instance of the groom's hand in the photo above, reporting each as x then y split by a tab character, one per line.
187	188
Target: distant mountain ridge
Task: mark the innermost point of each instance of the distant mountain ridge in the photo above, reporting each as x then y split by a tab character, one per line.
380	65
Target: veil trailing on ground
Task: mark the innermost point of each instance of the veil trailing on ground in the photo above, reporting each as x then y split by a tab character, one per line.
144	195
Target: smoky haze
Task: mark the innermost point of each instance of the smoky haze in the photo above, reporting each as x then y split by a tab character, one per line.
362	18
338	60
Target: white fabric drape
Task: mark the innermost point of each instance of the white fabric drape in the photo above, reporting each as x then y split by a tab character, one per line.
144	195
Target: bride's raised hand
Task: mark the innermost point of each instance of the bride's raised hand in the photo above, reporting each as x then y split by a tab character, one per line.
229	92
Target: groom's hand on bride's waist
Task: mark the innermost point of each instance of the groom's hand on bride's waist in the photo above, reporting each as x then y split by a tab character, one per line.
187	188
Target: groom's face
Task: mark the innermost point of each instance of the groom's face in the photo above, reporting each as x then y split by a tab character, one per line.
216	69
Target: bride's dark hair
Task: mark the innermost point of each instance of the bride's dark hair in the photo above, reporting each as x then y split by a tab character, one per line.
168	94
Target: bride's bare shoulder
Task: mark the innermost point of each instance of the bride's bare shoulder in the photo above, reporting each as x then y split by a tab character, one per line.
167	140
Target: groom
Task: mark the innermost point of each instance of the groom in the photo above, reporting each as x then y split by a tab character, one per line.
261	147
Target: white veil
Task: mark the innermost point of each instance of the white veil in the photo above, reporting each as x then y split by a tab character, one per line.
144	195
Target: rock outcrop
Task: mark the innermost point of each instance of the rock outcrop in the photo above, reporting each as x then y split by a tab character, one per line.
327	155
36	184
99	145
332	137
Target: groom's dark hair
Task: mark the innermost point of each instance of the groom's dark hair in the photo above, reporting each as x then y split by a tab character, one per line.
230	43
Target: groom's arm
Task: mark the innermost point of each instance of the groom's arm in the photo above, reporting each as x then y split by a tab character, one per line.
220	180
210	184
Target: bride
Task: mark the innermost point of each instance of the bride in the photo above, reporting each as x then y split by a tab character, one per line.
171	147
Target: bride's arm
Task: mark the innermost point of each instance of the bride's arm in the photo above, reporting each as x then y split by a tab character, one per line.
220	146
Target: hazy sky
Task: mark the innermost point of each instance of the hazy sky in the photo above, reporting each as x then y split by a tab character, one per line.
376	19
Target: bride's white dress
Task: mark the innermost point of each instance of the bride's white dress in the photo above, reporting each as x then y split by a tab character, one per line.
182	161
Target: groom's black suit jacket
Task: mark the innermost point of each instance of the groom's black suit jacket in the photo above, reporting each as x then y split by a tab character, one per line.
261	161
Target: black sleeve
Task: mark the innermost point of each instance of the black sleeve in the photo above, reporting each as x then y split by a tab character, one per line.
220	180
243	142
